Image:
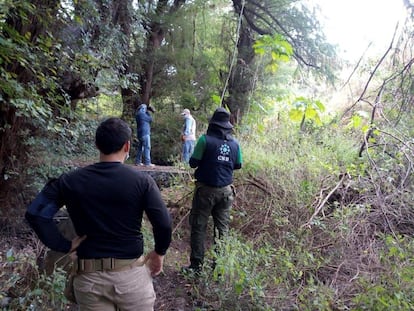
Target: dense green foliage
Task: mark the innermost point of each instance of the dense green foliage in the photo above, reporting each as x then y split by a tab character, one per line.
57	58
312	228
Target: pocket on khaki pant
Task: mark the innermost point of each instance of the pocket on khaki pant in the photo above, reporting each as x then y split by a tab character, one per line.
134	289
132	280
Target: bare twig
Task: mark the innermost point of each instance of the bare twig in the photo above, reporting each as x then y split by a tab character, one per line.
373	72
319	208
258	184
355	68
181	221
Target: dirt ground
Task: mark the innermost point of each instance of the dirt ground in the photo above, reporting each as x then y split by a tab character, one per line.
172	289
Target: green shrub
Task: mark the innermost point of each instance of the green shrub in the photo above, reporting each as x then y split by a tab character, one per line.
24	287
237	279
392	289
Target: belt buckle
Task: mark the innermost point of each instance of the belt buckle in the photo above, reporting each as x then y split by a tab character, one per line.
107	264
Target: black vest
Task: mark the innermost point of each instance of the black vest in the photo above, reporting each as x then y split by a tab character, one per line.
217	164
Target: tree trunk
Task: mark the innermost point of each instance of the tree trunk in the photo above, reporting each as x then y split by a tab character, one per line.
241	81
155	36
121	16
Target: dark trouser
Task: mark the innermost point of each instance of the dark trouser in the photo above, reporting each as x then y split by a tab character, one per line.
208	201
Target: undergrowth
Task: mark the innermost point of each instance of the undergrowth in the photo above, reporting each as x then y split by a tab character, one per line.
24	286
315	227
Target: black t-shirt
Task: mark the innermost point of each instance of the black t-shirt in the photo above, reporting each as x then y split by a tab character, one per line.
106	202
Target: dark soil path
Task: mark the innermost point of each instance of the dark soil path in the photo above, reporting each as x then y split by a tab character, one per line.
172	289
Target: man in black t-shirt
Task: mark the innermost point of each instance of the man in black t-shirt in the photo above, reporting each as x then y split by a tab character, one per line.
106	202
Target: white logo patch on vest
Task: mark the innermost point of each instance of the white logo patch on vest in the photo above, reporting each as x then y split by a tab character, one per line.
224	153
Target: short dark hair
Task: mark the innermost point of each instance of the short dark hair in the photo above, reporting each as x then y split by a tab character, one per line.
111	135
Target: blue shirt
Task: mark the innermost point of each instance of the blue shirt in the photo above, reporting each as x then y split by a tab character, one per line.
143	119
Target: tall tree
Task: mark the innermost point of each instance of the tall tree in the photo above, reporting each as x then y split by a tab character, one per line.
193	56
295	22
122	16
29	78
156	25
50	56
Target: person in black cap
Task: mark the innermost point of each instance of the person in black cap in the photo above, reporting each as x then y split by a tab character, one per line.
216	155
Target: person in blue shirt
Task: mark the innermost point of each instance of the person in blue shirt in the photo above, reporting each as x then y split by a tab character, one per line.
143	119
216	155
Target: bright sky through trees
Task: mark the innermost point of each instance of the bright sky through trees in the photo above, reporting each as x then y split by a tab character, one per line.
353	24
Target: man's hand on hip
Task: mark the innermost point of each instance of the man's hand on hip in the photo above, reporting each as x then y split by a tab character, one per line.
76	242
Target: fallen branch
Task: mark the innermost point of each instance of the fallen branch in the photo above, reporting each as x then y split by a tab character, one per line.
181	221
319	208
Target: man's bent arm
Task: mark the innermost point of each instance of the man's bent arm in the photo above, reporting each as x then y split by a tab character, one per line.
40	214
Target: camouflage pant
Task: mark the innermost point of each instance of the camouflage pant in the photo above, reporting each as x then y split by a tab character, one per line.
208	201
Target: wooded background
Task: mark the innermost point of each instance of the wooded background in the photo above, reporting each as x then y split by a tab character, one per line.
168	54
325	198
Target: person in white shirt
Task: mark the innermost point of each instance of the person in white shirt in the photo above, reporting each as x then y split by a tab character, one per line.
188	135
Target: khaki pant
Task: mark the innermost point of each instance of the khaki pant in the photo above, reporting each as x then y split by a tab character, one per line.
127	290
